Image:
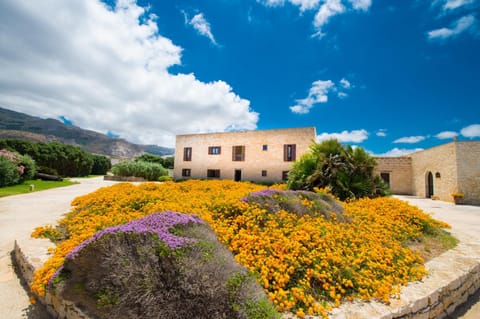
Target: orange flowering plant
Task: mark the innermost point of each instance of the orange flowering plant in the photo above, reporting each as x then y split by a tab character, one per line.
306	263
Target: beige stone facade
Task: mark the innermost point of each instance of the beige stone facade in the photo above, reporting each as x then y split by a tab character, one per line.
260	156
397	172
437	172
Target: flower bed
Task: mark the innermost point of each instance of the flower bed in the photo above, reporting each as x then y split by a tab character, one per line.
305	262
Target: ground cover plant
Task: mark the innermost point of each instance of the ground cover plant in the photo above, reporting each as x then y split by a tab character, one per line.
307	259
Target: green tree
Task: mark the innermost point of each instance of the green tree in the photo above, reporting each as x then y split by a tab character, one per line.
347	171
53	157
168	162
101	165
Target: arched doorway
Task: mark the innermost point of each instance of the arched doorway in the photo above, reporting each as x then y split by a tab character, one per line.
429	185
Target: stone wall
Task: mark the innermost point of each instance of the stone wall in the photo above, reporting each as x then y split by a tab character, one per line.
400	173
123	178
468	171
56	306
256	159
441	161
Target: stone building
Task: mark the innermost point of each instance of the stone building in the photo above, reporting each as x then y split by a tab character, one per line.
260	156
267	156
436	173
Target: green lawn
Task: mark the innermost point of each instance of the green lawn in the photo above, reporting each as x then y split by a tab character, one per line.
38	186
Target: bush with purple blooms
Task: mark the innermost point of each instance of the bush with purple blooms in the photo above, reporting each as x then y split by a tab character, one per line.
15	168
165	265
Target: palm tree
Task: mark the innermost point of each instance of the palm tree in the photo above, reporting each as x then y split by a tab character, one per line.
347	171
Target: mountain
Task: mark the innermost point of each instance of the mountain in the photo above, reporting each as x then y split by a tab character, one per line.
22	126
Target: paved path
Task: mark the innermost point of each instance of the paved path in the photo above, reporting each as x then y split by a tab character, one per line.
19	215
465	222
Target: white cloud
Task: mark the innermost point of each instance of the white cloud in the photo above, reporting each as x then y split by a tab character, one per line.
454	4
410	139
325	9
471	131
461	25
272	3
381	132
361	4
342	95
396	152
355	136
199	23
303	4
107	70
446	135
345	83
318	93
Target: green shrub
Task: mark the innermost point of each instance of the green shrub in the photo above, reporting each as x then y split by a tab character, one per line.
9	173
164	178
29	167
15	168
149	171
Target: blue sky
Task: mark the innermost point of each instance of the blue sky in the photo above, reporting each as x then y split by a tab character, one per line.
390	76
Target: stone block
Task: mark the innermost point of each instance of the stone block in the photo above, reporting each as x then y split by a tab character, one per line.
435	310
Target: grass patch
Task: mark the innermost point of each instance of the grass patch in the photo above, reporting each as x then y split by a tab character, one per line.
38	184
433	245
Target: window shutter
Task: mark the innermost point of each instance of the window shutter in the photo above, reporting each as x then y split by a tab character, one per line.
294	152
243	152
233	153
285	152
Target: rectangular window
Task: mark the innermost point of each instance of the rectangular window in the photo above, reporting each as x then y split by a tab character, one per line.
265	147
213	173
289	152
264	173
187	154
386	178
186	172
238	153
214	150
284	175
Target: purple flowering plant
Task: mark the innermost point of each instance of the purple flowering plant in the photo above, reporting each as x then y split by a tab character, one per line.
160	224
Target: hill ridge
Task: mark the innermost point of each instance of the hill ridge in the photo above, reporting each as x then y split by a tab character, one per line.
22	126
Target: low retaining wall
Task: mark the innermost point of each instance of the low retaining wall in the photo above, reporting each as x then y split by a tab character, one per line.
123	178
56	306
453	277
